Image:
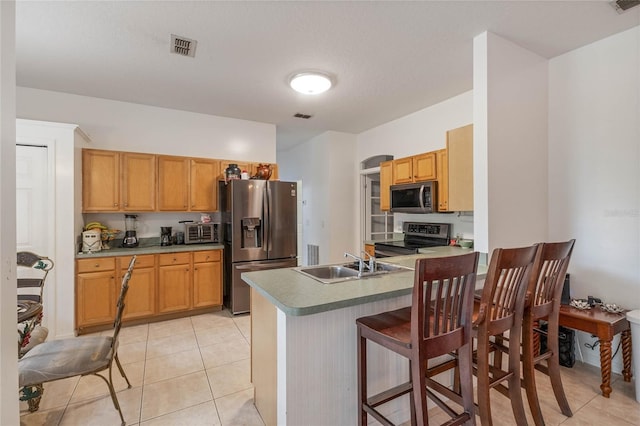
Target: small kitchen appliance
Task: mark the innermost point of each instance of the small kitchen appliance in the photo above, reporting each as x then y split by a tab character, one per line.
196	233
417	235
130	238
91	241
165	235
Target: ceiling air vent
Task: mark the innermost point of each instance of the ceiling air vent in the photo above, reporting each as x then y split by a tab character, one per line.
183	46
304	116
622	6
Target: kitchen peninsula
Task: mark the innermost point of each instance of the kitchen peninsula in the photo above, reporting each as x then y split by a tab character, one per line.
303	342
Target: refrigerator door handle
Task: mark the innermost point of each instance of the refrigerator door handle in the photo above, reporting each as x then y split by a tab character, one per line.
267	218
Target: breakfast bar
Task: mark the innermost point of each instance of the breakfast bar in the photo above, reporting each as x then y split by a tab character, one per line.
303	341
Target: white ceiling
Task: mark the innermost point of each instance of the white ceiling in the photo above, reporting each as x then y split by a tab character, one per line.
389	58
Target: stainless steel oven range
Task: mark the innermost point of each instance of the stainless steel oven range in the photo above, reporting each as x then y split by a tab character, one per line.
417	235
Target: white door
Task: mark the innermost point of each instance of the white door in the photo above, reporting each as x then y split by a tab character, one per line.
31	199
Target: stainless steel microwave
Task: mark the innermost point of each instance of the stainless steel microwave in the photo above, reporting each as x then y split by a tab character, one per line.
414	197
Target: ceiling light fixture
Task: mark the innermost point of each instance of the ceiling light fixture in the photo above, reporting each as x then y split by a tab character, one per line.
310	82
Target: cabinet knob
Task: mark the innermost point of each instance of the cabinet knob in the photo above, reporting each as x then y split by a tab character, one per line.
126	204
97	265
115	204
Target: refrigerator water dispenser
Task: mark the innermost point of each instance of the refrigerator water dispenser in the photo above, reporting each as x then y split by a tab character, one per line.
251	235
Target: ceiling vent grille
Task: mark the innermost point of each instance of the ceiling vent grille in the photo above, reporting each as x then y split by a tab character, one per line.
183	46
303	116
622	6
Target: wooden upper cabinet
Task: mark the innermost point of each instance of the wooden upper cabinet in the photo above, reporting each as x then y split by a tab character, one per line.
138	181
417	168
403	170
386	180
203	188
424	167
100	180
442	167
460	161
173	183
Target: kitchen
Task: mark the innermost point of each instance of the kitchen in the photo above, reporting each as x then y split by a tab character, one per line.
153	129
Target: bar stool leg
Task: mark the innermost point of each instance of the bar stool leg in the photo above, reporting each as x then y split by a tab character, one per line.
362	378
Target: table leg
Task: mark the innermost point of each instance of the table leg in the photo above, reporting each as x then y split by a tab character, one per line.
626	355
605	367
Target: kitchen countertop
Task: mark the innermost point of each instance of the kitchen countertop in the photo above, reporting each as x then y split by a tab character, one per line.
149	249
297	295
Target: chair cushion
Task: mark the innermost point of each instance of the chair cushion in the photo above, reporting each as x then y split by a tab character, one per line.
59	359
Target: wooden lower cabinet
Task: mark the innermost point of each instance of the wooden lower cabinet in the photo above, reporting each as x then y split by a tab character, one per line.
207	273
141	296
161	284
174	282
370	249
95	286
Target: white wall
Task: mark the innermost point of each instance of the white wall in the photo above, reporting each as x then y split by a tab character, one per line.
64	143
422	131
140	128
510	132
8	349
594	165
324	164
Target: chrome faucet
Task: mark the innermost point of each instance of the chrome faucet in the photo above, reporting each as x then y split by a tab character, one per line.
359	260
372	261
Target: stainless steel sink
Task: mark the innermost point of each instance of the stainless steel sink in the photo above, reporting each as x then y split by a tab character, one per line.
329	274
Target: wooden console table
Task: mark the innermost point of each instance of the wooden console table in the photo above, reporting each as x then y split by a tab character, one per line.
604	325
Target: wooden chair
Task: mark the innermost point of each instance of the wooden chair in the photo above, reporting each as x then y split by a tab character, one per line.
543	302
437	323
500	309
81	356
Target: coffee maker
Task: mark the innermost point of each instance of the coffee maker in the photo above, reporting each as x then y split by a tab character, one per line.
130	239
165	235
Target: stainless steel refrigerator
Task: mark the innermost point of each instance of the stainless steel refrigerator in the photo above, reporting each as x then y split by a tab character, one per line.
259	223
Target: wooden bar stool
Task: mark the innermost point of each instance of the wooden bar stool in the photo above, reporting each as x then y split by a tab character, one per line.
500	310
437	323
543	302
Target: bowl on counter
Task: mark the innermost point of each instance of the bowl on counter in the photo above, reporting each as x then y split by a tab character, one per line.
465	243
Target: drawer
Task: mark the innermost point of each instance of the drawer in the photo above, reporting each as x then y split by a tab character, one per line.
174	259
207	256
142	261
97	264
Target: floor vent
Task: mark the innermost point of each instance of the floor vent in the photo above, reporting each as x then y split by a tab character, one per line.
183	46
313	254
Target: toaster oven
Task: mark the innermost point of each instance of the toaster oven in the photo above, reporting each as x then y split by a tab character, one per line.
196	233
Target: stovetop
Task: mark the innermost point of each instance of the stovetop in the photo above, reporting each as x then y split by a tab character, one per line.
419	234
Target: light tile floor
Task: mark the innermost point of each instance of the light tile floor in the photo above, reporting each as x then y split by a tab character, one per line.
196	371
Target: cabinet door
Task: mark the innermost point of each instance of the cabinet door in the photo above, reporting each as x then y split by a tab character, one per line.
442	167
174	283
141	298
138	182
386	179
95	300
424	167
370	249
403	170
204	187
173	183
460	151
207	284
100	181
